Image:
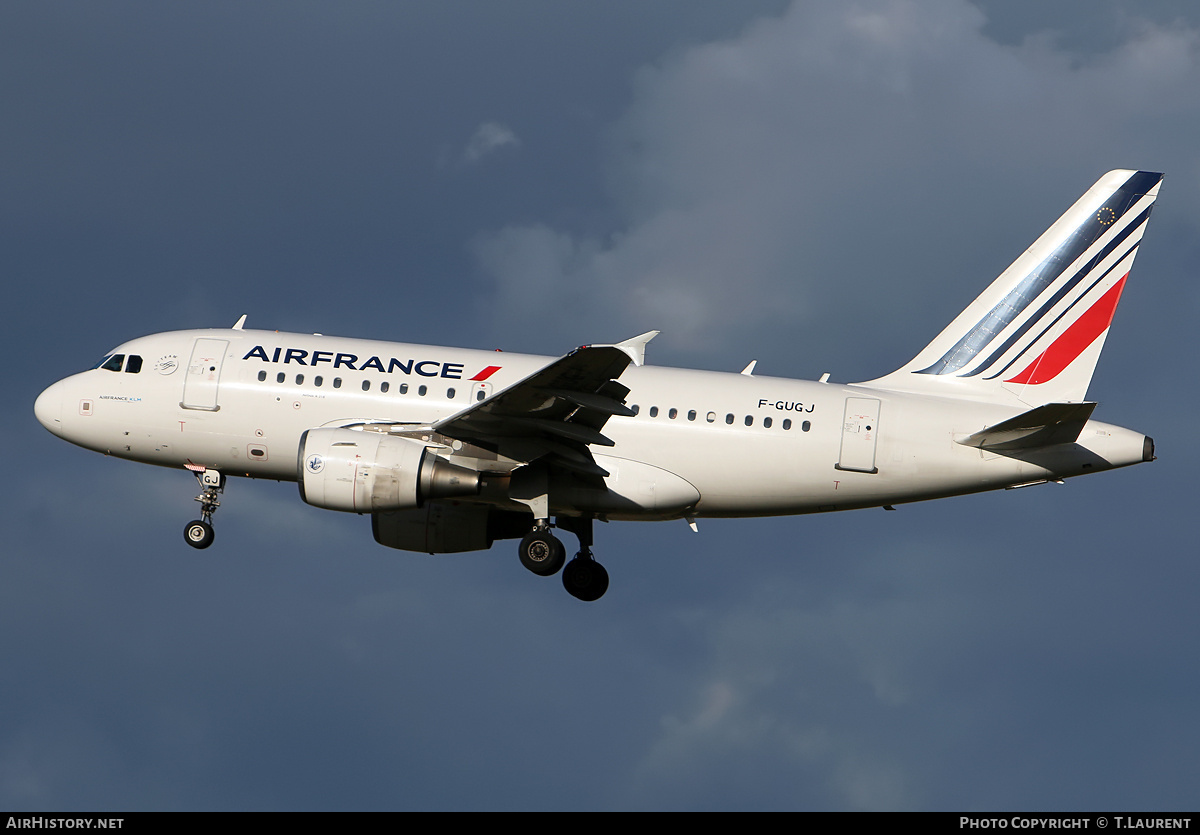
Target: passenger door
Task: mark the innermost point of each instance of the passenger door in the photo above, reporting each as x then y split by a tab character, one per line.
860	431
204	375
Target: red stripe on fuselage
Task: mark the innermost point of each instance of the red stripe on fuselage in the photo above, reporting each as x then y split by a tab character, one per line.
485	373
1074	340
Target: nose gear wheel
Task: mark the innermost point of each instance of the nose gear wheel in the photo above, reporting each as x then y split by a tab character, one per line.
198	534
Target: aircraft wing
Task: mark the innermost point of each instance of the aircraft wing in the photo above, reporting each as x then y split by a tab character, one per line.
557	412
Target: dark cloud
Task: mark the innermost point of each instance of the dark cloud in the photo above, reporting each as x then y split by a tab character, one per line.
844	157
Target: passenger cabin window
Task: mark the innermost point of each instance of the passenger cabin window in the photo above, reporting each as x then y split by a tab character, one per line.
653	411
449	394
280	377
383	387
366	385
133	365
787	423
422	390
404	388
317	381
337	382
262	376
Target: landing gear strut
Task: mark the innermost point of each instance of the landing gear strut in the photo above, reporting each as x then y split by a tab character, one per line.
199	532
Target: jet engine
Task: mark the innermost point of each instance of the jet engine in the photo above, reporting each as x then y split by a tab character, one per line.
365	472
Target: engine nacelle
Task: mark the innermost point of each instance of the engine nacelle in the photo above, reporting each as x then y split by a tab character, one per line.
364	472
446	528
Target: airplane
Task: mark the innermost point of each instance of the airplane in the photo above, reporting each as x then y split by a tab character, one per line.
450	449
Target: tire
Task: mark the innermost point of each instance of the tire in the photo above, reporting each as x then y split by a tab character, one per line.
542	553
585	579
198	534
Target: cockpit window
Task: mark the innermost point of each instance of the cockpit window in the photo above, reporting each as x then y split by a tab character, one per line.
133	365
112	362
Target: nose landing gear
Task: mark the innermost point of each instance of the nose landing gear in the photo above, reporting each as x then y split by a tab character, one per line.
199	532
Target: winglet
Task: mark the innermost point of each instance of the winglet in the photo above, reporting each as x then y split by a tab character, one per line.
636	347
238	325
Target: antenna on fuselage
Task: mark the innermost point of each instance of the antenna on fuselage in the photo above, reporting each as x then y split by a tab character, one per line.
237	326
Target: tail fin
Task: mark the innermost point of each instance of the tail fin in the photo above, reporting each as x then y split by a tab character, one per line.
1035	334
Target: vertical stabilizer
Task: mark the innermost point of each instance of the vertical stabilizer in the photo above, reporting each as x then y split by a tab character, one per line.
1036	333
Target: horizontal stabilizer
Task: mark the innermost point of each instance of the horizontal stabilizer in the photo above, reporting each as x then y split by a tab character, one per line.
1054	423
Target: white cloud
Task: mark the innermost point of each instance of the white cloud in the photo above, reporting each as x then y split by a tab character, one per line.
487	139
845	161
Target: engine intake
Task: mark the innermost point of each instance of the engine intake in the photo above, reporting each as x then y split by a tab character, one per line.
364	472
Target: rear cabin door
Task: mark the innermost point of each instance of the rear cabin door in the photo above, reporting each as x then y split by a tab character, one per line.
203	375
860	429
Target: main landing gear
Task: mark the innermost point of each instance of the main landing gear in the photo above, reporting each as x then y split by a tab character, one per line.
543	554
199	532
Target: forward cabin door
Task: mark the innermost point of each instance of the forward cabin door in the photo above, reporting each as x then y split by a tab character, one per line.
203	375
860	430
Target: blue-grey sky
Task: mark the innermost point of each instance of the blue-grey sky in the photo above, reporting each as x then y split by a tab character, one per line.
820	186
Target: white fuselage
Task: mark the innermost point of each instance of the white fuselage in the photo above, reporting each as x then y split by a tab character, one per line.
701	444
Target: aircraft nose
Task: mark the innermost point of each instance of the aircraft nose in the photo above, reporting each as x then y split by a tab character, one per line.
48	408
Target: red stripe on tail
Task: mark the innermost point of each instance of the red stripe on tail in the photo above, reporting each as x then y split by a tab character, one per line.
1074	340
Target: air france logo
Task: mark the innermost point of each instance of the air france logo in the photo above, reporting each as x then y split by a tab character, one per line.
314	463
387	365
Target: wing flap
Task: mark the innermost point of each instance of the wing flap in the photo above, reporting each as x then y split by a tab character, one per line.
557	412
508	426
593	402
